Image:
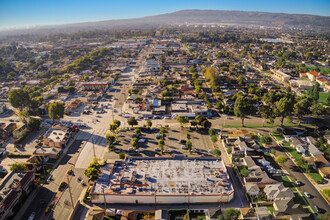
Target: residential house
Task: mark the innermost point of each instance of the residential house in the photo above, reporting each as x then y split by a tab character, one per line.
10	128
281	76
313	150
299	145
324	172
3	107
286	208
278	192
252	189
321	161
263	213
21	131
12	187
51	152
312	75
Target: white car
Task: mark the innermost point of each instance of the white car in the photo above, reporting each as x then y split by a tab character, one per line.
120	135
210	151
307	194
167	151
194	150
183	147
131	148
142	140
139	150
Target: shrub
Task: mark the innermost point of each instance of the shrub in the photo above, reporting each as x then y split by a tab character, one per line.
49	208
70	172
62	186
121	156
229	150
266	139
217	153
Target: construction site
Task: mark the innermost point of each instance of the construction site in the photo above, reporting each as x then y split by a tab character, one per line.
170	180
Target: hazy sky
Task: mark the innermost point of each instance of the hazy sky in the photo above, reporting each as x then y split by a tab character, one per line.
24	13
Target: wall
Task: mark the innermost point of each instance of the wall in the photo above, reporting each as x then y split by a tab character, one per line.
162	199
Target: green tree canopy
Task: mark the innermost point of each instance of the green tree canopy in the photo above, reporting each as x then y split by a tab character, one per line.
18	98
56	111
132	121
232	214
243	107
34	124
18	167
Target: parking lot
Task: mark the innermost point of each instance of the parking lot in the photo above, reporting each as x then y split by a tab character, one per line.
174	142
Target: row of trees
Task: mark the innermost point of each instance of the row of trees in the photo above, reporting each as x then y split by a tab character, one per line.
279	104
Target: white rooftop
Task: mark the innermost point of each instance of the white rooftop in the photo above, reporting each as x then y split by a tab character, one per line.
167	176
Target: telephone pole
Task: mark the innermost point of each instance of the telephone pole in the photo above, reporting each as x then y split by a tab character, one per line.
70	191
93	148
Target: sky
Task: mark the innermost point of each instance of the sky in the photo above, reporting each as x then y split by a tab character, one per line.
29	13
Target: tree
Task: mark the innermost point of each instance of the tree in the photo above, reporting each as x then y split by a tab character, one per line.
134	142
34	124
113	128
318	110
56	111
161	144
266	112
266	139
232	214
189	145
241	80
281	159
132	121
149	123
92	172
110	139
244	172
206	124
117	123
17	167
137	131
212	132
301	108
301	162
18	98
23	115
182	120
216	153
284	107
316	93
214	139
243	107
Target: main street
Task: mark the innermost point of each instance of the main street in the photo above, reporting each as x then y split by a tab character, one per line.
80	154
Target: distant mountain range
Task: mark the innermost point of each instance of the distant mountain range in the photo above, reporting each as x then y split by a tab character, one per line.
195	17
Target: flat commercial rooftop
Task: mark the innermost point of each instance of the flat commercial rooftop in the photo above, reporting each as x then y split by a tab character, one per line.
165	176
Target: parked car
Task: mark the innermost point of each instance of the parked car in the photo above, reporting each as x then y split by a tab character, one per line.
157	149
317	208
131	148
182	141
194	150
142	140
183	147
158	136
308	195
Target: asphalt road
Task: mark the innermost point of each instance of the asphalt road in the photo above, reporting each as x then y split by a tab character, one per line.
48	190
306	186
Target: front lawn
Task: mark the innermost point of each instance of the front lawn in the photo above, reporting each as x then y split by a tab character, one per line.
270	209
316	177
323	97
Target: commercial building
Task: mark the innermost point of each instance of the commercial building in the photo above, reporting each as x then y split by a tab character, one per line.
279	75
57	136
171	180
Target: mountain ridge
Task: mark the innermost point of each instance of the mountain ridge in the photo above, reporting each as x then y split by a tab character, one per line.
195	16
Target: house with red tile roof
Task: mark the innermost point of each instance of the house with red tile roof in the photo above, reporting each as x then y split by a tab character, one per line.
312	75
